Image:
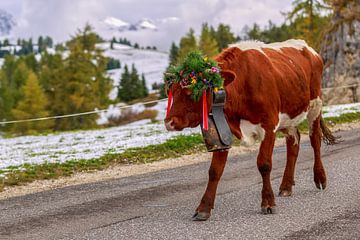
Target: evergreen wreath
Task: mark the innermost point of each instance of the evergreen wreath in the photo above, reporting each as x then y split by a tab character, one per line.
197	73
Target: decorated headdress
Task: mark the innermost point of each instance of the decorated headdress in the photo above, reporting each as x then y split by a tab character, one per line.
198	74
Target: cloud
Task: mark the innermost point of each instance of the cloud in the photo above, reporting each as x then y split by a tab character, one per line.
56	18
61	18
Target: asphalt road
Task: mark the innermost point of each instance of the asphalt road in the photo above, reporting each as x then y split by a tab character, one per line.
160	205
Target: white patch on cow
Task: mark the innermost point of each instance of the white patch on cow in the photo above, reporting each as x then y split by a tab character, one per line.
289	124
251	132
315	107
285	122
249	45
257	45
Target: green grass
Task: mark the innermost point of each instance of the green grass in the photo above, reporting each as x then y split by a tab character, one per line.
175	147
178	146
344	118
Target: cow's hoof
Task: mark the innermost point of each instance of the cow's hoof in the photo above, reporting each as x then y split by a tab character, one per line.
320	178
320	185
268	210
285	193
201	216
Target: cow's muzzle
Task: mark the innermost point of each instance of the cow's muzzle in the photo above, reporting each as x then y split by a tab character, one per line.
170	125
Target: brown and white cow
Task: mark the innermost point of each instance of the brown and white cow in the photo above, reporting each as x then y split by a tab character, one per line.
270	88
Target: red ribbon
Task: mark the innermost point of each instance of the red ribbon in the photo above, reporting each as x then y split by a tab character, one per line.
205	113
170	100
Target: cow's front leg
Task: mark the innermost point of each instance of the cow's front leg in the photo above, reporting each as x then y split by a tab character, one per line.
264	163
215	172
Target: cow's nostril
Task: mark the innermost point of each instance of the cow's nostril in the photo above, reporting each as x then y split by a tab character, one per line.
170	125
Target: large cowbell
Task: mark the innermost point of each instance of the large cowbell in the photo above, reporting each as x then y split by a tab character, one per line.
218	136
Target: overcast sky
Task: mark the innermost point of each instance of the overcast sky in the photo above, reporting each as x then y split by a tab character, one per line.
61	18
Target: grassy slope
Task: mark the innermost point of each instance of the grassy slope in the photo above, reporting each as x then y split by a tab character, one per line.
175	147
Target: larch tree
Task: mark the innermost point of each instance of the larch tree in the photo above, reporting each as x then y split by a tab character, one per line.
32	105
187	45
85	84
308	20
208	44
224	36
13	75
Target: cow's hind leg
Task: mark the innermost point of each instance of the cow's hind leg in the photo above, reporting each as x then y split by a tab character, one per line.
264	163
215	172
292	147
315	138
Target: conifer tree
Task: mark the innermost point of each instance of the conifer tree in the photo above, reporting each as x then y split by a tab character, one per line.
224	36
13	75
85	85
48	41
174	52
208	45
32	105
131	86
124	87
187	44
136	86
145	92
52	80
306	19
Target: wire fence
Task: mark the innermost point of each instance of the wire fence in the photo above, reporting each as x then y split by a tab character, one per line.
121	107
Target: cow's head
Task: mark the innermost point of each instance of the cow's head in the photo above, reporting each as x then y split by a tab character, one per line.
184	111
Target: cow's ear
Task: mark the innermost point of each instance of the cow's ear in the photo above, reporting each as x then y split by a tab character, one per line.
228	76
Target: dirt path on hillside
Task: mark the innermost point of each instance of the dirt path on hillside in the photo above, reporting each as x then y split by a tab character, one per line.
120	171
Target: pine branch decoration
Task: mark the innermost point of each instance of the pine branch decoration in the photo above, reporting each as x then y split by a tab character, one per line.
196	73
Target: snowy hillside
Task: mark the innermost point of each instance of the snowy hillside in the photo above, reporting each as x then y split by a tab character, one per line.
151	63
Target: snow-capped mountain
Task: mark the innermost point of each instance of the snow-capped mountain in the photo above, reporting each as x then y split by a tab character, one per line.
146	24
122	26
7	23
115	23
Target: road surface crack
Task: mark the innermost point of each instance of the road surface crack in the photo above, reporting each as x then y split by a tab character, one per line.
117	222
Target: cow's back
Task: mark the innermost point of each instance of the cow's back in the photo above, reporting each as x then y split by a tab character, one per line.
276	78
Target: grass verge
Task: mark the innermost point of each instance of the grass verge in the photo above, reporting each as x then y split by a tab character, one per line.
175	147
178	146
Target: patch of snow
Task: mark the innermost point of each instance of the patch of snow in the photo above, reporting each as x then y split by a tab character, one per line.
51	50
146	24
11	48
82	144
113	111
338	110
115	22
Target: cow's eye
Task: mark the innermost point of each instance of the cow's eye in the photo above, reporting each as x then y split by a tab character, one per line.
187	91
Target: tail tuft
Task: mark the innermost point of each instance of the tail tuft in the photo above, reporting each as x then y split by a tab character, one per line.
327	136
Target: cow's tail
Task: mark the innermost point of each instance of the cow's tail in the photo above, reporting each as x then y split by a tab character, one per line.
327	136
